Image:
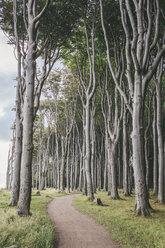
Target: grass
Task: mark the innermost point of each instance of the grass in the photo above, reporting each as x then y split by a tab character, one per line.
34	231
120	221
117	216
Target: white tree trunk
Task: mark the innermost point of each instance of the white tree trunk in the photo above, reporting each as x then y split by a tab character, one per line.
155	148
18	122
160	143
125	156
27	147
138	149
62	164
113	171
88	153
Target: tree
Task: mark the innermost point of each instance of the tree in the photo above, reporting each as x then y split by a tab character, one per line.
140	43
138	73
158	85
42	36
18	121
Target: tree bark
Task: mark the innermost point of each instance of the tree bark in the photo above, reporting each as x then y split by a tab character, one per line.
155	148
160	139
88	152
125	156
113	171
28	109
62	164
138	157
18	122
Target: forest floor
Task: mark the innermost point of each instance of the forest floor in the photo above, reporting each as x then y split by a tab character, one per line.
116	216
35	231
119	219
74	229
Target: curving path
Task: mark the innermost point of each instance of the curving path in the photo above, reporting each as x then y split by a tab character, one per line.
74	229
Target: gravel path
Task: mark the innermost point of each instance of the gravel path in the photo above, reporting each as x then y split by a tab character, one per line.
74	229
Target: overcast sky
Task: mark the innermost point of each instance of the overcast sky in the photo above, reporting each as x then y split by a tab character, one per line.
8	72
8	66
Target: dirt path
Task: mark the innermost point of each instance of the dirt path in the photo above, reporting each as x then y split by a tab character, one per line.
74	229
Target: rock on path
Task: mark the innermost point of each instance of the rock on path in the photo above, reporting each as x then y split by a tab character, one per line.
74	229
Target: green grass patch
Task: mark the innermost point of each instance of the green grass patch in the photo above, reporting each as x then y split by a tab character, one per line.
119	219
34	231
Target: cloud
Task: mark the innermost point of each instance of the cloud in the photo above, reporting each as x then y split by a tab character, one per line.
6	122
7	98
8	62
2	113
7	91
8	65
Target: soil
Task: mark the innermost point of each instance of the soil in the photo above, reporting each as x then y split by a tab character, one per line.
74	229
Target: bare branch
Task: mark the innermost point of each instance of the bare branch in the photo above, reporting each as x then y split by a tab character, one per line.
42	12
156	25
109	61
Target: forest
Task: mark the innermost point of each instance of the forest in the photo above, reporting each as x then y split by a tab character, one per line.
90	99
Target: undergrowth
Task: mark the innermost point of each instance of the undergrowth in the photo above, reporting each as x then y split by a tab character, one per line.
35	231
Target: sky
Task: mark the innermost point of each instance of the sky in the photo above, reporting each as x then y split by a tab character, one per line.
8	72
8	68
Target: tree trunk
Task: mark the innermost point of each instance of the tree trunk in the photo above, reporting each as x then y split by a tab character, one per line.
93	147
125	156
98	163
17	164
27	145
88	153
106	161
155	148
8	170
18	122
62	164
68	167
160	143
113	171
138	157
28	109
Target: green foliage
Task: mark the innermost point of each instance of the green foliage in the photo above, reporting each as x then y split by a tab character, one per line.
6	20
57	23
34	231
120	221
60	19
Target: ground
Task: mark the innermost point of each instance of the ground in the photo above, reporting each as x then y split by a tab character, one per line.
74	229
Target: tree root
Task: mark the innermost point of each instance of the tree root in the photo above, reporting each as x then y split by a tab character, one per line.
98	201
